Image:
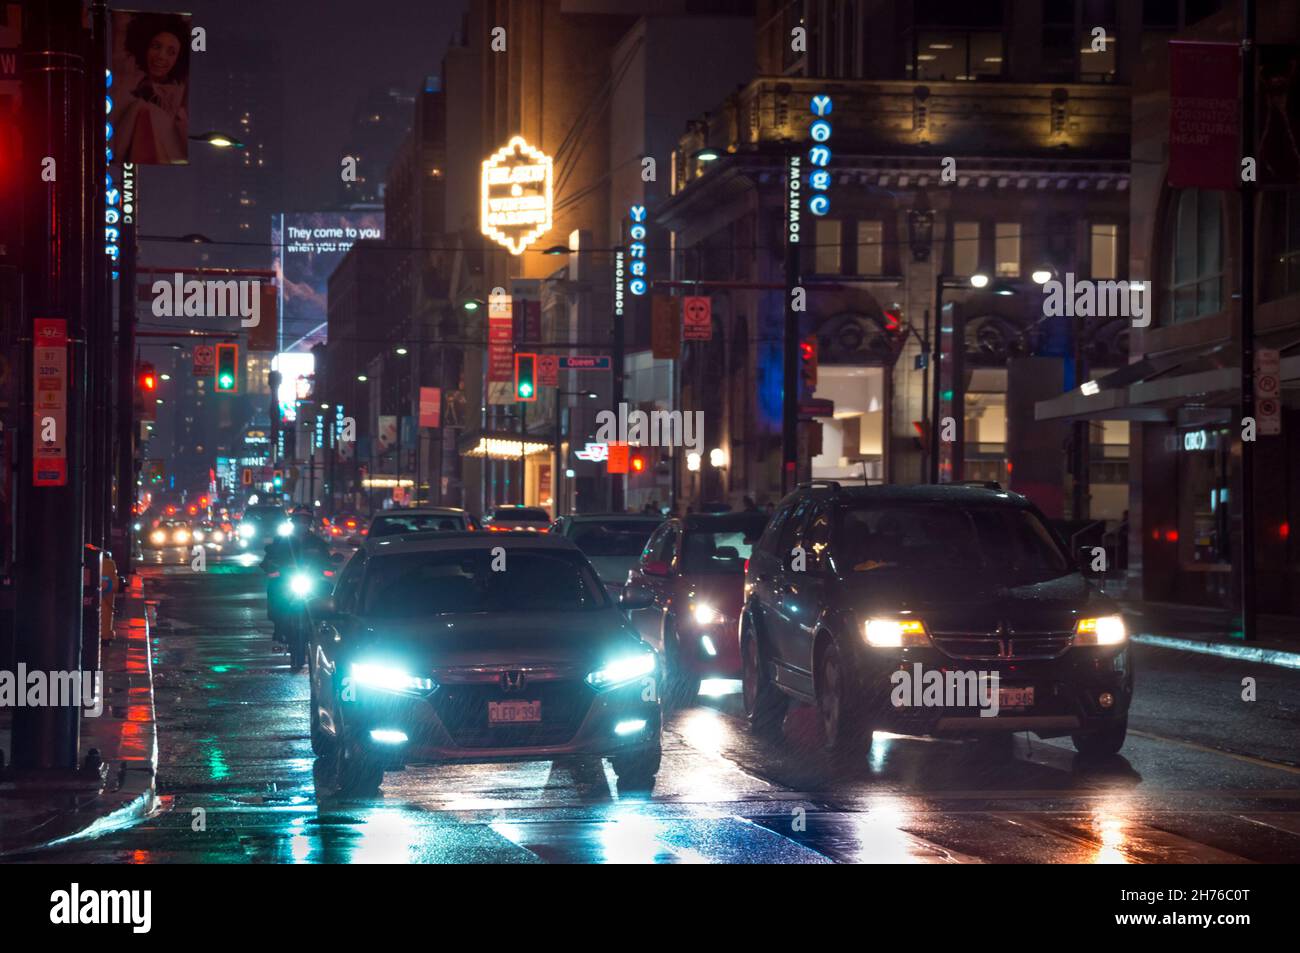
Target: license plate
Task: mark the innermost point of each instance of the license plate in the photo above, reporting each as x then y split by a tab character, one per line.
1016	697
514	713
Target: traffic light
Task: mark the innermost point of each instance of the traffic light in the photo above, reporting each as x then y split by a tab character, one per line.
808	364
637	462
525	377
277	479
147	377
227	368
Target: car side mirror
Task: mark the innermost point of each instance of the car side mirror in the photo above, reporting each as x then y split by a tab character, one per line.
655	568
323	608
636	597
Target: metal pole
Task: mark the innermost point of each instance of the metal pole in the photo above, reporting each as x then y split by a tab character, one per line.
936	359
556	456
1246	287
50	516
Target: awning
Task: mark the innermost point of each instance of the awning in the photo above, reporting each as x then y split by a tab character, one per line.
502	444
1156	387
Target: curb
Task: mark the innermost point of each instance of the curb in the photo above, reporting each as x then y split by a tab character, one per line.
1237	651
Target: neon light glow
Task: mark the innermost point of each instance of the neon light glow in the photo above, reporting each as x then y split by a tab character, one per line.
517	190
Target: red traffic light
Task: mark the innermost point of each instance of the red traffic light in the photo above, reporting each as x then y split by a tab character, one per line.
148	379
638	463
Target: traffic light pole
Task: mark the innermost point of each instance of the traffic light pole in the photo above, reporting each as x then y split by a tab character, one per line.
126	335
50	514
790	339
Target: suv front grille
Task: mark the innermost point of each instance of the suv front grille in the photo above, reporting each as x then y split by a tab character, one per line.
1005	644
463	711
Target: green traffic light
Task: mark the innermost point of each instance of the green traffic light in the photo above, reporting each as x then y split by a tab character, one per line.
227	381
525	389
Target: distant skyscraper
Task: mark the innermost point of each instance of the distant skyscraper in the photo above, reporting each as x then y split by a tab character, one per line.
381	119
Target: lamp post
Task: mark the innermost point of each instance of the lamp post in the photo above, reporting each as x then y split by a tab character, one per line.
958	332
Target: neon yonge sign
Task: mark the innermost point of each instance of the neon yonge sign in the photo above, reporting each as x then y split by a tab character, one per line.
819	155
517	195
636	251
113	216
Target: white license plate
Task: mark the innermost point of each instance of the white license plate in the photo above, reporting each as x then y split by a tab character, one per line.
514	713
1016	697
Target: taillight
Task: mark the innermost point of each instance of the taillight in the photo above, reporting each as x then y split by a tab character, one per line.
329	572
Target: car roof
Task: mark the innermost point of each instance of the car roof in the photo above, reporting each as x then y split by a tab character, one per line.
920	492
601	517
724	521
439	542
423	511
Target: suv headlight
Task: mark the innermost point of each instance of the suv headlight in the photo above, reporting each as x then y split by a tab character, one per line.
1101	630
705	614
621	671
895	633
389	678
301	584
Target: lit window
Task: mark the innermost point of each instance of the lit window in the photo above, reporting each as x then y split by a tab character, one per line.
1105	251
1006	249
827	258
871	248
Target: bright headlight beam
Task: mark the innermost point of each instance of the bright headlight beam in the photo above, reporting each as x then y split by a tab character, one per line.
389	678
622	671
1101	630
300	584
894	633
705	614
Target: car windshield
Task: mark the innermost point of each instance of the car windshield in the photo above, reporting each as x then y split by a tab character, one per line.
612	537
519	514
720	547
933	537
392	525
407	585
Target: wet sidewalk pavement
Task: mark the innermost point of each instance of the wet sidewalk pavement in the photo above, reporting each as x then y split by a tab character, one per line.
37	813
1212	631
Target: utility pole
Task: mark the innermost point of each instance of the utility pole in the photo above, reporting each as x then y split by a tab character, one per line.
51	485
1246	287
126	468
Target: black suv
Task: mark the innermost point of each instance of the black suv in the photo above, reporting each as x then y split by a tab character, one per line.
940	610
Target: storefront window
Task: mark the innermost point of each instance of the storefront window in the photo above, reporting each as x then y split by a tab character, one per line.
1194	243
1203	530
1281	238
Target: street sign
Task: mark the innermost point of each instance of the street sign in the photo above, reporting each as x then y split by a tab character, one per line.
548	370
697	318
816	407
665	328
205	360
1268	392
585	362
50	402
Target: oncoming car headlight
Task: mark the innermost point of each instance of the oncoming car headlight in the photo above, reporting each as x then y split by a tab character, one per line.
705	614
621	671
1101	630
389	678
246	530
301	584
284	529
895	633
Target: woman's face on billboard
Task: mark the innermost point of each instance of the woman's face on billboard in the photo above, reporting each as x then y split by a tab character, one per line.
163	51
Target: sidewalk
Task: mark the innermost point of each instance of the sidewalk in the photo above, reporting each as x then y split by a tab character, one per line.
124	735
1210	631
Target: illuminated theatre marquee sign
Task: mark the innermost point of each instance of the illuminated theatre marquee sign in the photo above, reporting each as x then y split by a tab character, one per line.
517	196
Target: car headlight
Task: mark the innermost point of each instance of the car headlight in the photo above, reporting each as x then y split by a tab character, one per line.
705	614
285	529
247	529
198	536
182	536
895	633
389	678
218	537
157	536
621	671
301	584
1101	630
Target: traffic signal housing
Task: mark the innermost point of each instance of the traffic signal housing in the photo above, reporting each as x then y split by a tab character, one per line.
808	364
636	462
525	377
147	377
227	369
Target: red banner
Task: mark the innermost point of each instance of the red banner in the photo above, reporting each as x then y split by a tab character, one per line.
50	402
501	350
430	407
1204	108
617	460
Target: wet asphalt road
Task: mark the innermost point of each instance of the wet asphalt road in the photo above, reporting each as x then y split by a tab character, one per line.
1205	776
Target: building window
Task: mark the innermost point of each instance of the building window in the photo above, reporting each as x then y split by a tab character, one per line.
1007	249
871	248
965	248
827	259
1281	240
1195	249
1105	251
957	55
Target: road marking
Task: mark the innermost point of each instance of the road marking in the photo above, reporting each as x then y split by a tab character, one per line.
1248	759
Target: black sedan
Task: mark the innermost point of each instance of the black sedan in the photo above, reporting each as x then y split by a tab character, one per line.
465	647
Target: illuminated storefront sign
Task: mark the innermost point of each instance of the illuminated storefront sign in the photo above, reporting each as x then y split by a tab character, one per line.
619	275
794	184
636	251
517	195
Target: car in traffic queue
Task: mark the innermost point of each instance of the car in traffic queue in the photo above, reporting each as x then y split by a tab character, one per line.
260	524
693	569
167	534
943	610
468	647
613	542
424	519
505	519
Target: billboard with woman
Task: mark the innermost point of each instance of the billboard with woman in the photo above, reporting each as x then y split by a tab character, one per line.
150	88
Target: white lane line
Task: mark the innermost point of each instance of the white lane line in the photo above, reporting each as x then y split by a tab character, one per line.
1240	653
